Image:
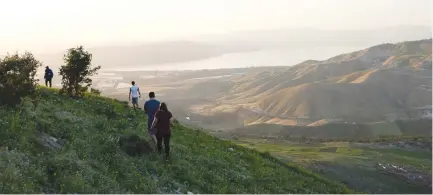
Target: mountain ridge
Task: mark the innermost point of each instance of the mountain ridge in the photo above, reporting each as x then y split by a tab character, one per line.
364	85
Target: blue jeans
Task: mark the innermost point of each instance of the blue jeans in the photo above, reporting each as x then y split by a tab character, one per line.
149	125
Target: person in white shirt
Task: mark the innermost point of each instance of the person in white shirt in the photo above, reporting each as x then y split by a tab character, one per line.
134	91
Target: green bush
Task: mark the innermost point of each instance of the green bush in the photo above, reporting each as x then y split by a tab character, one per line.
95	91
76	72
17	78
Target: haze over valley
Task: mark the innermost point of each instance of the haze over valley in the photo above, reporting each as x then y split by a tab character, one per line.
378	84
281	47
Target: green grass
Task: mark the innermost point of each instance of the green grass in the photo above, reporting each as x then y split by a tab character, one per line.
91	160
419	159
384	128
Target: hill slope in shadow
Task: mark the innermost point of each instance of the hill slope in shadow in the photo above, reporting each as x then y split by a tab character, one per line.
55	144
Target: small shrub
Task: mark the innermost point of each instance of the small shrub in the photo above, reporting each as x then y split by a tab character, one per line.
76	72
125	104
134	145
107	110
95	91
17	78
175	122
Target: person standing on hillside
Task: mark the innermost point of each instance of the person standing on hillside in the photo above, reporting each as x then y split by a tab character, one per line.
163	123
48	76
134	91
151	106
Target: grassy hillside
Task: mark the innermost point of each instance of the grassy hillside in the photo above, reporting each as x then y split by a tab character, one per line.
54	144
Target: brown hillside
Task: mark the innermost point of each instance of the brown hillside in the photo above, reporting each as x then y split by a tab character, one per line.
383	82
365	85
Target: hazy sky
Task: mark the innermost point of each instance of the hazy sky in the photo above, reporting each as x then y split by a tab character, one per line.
43	25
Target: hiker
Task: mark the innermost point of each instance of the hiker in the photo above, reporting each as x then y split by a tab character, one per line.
163	122
48	76
151	106
135	92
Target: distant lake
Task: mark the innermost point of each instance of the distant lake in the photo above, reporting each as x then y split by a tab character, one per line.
269	57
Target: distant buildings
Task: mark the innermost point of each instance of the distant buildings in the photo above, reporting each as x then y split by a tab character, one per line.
417	112
425	111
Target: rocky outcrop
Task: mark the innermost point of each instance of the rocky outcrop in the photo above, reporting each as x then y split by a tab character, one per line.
51	142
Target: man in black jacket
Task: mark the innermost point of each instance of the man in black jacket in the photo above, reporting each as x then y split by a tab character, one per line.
48	76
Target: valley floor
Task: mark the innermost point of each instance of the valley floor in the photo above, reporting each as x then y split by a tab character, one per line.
367	167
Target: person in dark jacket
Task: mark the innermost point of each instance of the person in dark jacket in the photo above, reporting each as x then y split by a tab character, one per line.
163	122
48	76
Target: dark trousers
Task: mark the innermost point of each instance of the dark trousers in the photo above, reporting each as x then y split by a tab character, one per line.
166	138
47	81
